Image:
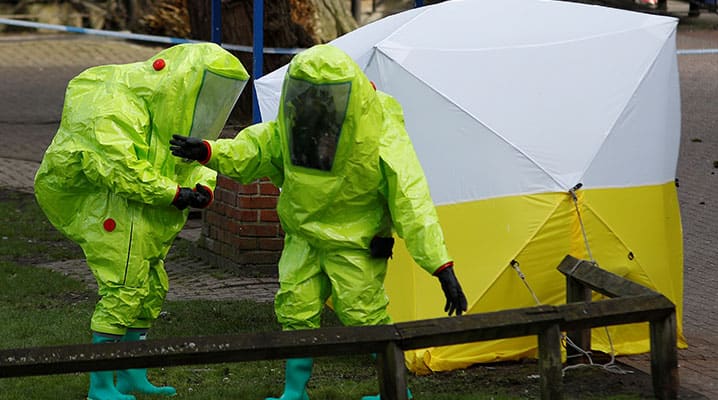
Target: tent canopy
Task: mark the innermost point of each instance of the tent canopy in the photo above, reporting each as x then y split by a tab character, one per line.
510	104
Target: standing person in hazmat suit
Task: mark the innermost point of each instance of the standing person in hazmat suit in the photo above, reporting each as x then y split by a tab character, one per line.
348	175
109	182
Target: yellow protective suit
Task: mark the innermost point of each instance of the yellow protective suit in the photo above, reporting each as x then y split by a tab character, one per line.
108	180
331	211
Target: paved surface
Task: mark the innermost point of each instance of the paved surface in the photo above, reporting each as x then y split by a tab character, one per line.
34	70
190	279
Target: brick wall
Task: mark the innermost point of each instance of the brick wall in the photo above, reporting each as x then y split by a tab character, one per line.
241	228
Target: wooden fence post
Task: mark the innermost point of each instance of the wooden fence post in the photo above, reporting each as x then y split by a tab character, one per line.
549	362
391	369
577	292
664	357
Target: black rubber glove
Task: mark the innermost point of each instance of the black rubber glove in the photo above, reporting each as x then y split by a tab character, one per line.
202	196
455	299
189	148
184	198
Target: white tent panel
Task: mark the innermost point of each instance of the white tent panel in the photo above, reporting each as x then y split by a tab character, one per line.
646	137
269	90
554	103
463	159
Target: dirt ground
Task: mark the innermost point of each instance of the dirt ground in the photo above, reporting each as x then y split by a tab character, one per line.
601	381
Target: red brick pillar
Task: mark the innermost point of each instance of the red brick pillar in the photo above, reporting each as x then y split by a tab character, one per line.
241	228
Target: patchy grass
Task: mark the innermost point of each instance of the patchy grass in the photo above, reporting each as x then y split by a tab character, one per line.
26	236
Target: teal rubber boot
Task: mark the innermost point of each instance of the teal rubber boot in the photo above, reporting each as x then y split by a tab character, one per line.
135	380
102	383
298	372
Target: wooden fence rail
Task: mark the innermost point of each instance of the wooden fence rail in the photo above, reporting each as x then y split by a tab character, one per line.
632	303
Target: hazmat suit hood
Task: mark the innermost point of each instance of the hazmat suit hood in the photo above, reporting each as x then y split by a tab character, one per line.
110	157
195	89
327	97
329	123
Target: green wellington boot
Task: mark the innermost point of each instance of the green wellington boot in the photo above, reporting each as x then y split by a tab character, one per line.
102	383
298	372
135	380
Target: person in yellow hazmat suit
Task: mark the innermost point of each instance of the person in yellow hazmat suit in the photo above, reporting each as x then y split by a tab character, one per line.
349	177
109	183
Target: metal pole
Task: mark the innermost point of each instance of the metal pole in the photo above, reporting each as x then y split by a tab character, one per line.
216	35
258	55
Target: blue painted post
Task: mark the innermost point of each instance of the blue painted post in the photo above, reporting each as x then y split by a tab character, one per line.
418	3
257	55
216	35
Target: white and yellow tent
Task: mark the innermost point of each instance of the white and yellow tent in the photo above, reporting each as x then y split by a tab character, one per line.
510	105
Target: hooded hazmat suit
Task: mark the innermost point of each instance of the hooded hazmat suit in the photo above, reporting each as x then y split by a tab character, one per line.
348	173
108	181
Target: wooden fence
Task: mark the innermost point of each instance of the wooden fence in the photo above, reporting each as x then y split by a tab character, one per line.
628	303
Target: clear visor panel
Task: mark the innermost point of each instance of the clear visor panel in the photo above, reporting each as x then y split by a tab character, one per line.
215	101
314	115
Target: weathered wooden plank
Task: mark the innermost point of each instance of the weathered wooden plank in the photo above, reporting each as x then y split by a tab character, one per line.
476	327
531	321
664	358
549	363
197	350
616	311
600	280
331	341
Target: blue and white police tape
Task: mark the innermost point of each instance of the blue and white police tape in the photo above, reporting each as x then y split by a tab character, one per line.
687	52
137	36
173	40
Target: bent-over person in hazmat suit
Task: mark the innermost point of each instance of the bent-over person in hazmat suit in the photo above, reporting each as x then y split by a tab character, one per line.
349	177
109	182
